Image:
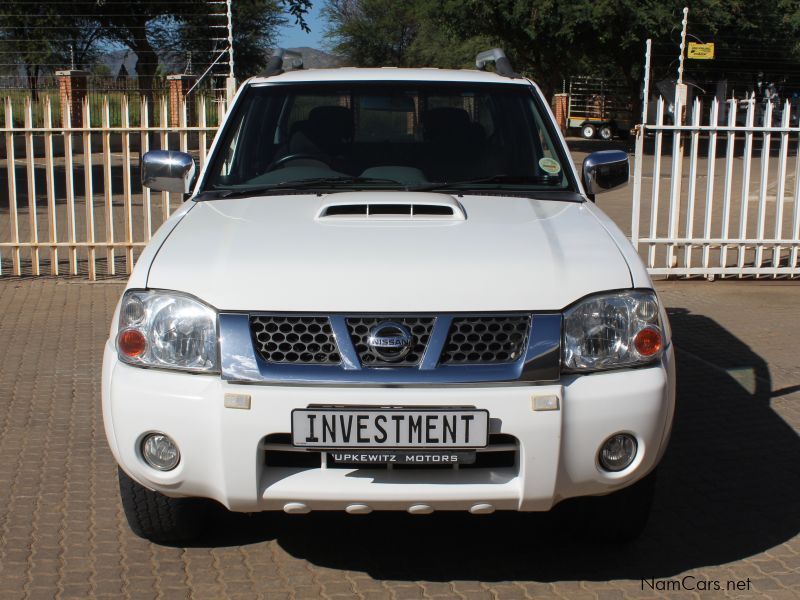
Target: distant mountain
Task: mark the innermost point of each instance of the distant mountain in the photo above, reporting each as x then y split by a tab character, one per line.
318	59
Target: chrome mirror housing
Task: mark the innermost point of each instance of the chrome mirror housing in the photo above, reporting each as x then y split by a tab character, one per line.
168	171
604	171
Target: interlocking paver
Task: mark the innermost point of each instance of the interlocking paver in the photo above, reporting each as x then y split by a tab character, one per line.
726	503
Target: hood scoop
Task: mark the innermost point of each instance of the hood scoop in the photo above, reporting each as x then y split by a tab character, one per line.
392	206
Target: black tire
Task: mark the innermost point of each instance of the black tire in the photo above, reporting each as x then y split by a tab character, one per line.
159	518
605	132
618	517
588	131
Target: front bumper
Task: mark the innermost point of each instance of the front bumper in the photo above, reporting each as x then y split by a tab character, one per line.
222	449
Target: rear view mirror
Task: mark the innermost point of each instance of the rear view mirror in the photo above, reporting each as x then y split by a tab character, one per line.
604	171
168	171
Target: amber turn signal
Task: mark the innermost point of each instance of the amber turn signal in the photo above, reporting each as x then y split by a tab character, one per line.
131	342
648	341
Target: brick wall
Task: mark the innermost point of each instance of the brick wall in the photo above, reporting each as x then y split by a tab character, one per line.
72	92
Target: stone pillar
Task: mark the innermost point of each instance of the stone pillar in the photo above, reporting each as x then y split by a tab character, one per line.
560	108
179	86
72	92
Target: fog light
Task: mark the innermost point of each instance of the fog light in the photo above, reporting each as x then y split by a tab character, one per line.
618	452
160	452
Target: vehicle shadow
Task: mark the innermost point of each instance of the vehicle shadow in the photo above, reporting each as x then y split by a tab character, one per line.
728	489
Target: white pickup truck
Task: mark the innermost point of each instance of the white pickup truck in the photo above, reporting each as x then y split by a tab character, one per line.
388	289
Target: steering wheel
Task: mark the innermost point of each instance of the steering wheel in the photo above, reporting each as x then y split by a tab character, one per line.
297	156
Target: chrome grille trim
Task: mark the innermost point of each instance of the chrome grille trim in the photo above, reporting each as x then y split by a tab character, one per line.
540	362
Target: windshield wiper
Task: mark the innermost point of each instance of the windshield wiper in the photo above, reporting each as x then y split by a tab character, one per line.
297	184
501	179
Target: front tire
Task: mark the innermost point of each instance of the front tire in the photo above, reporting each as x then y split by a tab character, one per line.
619	517
588	131
159	518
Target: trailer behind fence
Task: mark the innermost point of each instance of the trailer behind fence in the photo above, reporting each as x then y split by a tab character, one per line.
75	204
598	108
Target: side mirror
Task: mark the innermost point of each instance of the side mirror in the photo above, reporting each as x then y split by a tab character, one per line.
604	171
168	171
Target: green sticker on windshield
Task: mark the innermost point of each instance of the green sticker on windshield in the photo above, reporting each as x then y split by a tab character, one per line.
549	165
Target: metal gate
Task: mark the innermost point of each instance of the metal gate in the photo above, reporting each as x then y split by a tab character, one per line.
75	205
717	192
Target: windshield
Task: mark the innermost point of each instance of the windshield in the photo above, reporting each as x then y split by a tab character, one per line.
393	135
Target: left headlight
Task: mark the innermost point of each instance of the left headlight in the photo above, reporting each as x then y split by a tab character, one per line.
613	330
169	330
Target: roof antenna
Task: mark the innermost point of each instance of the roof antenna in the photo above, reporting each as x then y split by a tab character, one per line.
501	63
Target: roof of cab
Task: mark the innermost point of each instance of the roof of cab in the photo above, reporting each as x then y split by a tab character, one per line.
389	74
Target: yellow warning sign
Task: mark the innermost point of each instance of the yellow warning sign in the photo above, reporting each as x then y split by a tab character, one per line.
701	51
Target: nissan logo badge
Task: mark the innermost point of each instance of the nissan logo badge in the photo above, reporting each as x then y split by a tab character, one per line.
389	341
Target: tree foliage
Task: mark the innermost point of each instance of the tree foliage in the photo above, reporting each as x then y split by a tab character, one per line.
255	23
31	41
391	33
552	39
41	37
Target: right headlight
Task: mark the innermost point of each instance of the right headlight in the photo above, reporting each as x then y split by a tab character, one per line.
612	330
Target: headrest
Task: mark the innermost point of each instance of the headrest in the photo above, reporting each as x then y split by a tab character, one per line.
445	121
331	122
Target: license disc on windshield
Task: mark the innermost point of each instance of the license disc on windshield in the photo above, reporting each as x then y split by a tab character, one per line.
390	428
549	165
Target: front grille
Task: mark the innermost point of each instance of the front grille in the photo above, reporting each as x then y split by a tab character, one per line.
485	340
420	328
289	340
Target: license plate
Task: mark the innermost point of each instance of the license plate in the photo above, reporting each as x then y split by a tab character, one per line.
390	428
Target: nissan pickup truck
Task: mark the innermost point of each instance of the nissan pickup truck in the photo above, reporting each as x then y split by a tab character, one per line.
388	290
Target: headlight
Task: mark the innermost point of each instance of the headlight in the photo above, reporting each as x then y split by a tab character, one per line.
615	330
168	330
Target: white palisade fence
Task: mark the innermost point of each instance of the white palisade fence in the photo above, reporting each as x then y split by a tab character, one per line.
719	196
75	204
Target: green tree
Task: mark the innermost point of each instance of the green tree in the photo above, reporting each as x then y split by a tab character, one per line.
551	39
392	33
37	38
255	23
372	32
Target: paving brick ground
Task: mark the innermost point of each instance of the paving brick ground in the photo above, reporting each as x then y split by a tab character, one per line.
727	507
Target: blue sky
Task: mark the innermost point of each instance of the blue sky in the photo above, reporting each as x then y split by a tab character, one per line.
292	36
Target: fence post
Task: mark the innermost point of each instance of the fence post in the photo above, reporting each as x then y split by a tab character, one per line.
560	110
12	189
71	92
638	154
179	86
230	90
